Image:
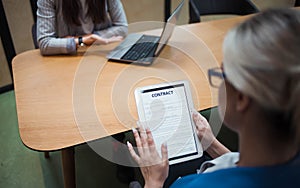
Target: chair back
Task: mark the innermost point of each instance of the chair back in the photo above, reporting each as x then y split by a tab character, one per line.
34	36
33	4
199	8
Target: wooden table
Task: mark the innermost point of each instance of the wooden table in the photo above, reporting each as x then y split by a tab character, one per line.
63	101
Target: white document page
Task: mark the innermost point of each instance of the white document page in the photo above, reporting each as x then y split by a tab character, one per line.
167	115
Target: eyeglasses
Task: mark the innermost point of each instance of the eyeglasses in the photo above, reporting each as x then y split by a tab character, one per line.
216	77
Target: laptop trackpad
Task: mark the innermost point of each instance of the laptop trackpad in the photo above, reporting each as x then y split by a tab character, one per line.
121	49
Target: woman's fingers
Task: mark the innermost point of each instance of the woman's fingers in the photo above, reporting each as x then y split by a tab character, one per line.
199	120
147	154
144	139
143	136
132	153
138	141
164	154
91	39
115	39
150	140
107	40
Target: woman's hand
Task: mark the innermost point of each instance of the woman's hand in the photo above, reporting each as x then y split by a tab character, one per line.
93	38
203	130
154	168
208	140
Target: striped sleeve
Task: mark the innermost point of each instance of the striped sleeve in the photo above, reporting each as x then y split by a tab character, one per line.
48	41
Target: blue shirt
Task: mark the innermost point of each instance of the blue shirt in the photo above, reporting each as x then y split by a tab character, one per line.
285	175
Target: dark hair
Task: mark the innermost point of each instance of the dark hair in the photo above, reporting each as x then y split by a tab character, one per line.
72	8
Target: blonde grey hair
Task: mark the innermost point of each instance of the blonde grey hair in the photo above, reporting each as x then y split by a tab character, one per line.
262	60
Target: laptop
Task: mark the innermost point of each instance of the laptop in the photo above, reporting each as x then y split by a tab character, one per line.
142	49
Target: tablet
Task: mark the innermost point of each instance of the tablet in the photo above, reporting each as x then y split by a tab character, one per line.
166	109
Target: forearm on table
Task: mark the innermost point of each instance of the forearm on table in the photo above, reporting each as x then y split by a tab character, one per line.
217	149
52	46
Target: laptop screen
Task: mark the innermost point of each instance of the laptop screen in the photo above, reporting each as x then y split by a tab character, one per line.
169	28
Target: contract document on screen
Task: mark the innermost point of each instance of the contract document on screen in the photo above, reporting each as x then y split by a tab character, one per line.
165	109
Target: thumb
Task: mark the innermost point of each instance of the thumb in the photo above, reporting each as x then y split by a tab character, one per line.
196	116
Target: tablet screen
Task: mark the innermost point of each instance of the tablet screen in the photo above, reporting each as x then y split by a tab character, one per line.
166	110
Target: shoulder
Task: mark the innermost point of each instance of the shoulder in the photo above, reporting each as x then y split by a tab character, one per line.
243	177
220	178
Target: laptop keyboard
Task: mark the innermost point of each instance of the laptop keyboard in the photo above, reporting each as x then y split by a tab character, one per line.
142	48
